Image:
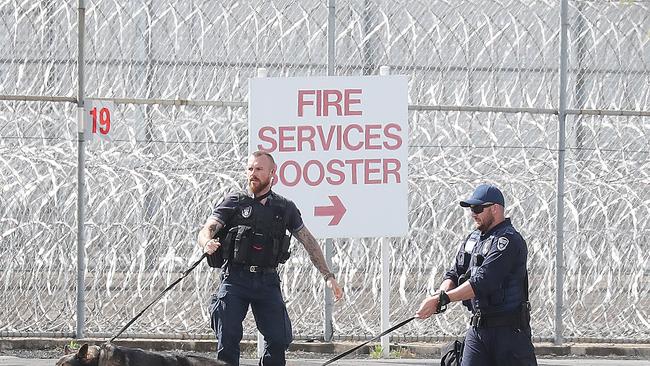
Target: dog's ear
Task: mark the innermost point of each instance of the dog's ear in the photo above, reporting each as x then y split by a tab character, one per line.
83	351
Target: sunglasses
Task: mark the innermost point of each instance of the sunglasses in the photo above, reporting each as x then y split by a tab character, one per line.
478	209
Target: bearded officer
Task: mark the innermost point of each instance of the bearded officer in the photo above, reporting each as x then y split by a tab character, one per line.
252	241
490	277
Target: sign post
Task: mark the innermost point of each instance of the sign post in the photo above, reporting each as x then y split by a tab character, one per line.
385	277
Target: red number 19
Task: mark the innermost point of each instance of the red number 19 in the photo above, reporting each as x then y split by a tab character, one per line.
104	120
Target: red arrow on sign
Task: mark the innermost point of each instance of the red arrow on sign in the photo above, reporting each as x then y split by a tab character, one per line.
337	210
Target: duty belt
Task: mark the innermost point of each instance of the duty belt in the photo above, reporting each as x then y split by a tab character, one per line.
252	269
496	320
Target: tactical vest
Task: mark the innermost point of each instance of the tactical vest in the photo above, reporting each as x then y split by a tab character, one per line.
256	234
512	292
467	259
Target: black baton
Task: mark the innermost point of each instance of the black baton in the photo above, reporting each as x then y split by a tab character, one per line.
364	343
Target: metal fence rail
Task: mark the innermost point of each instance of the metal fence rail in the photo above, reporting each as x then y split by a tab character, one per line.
484	81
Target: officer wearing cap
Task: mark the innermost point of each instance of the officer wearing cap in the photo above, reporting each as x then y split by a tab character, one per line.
246	237
490	277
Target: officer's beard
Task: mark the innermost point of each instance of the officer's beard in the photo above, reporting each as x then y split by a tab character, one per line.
257	186
484	225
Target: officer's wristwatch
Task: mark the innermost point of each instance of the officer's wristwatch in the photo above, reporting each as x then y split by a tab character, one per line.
328	276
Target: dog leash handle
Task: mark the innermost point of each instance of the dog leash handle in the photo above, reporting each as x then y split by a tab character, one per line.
205	255
366	342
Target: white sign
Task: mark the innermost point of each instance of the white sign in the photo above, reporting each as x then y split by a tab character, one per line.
98	120
341	147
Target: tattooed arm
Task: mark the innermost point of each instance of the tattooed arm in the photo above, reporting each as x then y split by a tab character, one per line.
316	255
206	235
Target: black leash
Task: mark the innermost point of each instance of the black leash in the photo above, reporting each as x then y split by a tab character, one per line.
364	343
159	296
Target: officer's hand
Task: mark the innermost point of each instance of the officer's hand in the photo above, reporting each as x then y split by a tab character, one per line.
211	246
336	289
427	307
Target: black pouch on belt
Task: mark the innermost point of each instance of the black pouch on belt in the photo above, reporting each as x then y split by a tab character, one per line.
241	243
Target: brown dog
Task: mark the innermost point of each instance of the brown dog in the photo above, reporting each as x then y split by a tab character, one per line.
111	355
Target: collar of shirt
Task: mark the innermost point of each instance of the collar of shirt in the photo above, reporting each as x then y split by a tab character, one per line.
502	224
268	195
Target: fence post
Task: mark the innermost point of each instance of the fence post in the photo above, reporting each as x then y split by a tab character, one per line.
261	73
331	37
385	275
328	329
81	162
559	246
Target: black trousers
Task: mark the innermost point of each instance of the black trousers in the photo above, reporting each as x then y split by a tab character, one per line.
240	289
498	346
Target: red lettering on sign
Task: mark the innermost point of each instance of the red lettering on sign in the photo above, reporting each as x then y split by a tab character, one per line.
326	142
352	137
395	137
354	163
336	172
283	173
368	170
285	137
322	100
262	134
103	117
370	136
320	173
349	100
346	137
391	167
319	103
302	102
306	135
336	103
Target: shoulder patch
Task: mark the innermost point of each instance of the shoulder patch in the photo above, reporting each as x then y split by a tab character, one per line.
502	243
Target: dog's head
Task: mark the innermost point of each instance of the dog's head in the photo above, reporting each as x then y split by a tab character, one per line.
86	356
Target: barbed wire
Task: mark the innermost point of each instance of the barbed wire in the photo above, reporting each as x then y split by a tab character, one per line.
483	107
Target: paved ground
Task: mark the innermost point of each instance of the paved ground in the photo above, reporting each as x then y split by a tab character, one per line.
14	361
45	351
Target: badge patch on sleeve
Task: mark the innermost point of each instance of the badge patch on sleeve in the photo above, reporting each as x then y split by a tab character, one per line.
246	212
502	243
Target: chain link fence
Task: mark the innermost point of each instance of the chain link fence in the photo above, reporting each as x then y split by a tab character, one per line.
483	94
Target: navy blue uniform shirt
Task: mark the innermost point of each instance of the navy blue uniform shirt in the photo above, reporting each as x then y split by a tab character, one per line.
225	210
496	262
